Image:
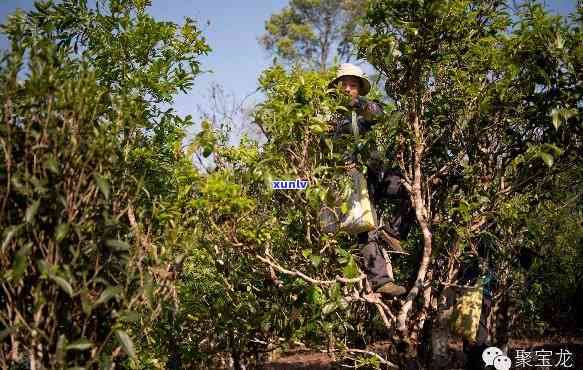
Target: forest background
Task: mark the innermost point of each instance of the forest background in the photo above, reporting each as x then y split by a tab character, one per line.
118	251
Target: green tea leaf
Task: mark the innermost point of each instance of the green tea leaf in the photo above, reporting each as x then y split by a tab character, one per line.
63	284
317	129
52	165
61	232
117	245
343	303
126	342
129	316
10	232
547	158
556	117
329	144
344	207
19	263
314	295
80	345
6	332
60	350
207	150
268	178
107	294
86	304
103	185
329	308
316	260
149	288
31	211
42	266
351	269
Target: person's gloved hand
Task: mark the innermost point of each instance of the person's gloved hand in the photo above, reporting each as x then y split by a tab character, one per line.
345	126
358	103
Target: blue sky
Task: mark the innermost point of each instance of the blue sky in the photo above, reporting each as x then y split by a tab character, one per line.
231	29
232	32
236	59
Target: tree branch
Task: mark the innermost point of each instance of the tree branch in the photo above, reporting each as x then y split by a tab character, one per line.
309	279
371	353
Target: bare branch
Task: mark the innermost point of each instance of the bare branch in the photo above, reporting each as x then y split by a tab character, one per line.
370	353
309	279
138	234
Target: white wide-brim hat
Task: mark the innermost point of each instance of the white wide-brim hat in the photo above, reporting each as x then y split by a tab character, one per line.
349	69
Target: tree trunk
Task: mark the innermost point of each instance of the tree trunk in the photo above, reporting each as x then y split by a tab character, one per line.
325	44
415	190
499	334
440	332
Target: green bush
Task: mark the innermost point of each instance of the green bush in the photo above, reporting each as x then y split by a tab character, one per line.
82	266
73	270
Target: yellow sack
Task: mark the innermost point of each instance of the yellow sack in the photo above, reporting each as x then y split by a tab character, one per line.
465	319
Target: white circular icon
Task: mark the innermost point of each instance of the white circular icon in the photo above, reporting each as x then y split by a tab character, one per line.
490	354
502	363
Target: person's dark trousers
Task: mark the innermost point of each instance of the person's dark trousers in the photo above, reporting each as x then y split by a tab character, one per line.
375	265
382	185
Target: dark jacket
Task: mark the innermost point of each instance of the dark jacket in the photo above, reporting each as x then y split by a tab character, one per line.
368	115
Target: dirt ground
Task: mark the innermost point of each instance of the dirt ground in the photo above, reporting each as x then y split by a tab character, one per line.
303	360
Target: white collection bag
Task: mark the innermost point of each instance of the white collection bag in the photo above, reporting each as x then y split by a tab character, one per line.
360	216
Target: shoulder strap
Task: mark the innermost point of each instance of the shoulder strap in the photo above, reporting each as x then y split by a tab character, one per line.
354	125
